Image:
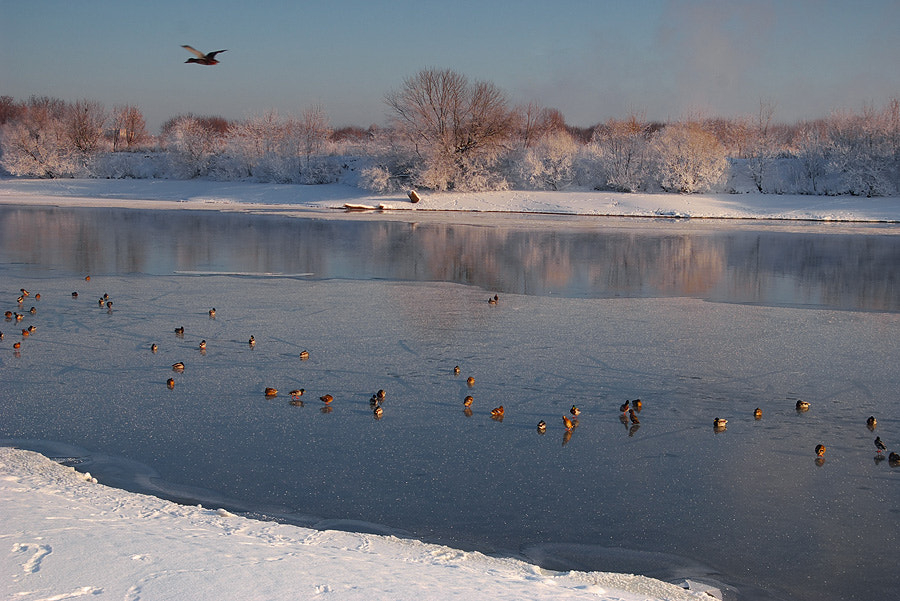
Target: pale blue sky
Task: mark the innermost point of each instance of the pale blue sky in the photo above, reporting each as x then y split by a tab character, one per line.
592	60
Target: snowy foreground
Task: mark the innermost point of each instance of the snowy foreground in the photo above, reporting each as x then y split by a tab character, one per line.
245	196
66	536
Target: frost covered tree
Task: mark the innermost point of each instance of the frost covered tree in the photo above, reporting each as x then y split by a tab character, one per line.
762	150
313	130
254	145
35	143
192	142
624	152
864	151
455	129
549	163
813	155
688	158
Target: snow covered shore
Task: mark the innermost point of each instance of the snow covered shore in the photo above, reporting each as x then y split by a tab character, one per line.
67	537
245	196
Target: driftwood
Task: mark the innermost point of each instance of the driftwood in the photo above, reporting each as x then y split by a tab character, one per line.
414	196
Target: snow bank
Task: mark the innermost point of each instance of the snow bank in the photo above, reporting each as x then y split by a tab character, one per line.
244	196
68	537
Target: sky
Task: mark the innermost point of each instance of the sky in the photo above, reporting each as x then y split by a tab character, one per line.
591	59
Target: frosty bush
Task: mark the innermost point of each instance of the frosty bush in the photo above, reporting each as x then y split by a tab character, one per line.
377	179
191	146
688	158
549	163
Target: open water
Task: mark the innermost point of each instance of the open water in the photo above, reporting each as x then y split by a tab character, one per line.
697	319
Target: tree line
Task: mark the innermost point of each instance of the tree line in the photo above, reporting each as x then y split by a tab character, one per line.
447	132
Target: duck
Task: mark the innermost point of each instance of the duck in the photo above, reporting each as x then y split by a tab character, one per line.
380	395
624	407
494	300
24	292
269	391
170	383
633	416
378	412
202	345
497	411
575	411
74	295
212	312
456	370
720	423
296	394
542	427
470	381
37	296
32	310
802	405
568	424
820	450
894	459
32	328
304	355
757	413
179	331
467	402
202	59
871	422
17	345
179	366
87	278
879	445
326	399
8	315
109	304
637	405
153	348
252	341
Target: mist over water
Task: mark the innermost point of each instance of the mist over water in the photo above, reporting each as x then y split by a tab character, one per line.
697	321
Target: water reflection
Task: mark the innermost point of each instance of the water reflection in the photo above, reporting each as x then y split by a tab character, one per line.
741	265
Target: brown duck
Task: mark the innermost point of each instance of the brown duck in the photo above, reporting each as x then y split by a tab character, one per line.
202	59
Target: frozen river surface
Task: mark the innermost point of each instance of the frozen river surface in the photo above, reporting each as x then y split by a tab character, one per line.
697	321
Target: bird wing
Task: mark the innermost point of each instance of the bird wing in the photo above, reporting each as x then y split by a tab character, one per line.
193	50
213	54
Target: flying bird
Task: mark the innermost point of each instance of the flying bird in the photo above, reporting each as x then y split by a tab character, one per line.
202	59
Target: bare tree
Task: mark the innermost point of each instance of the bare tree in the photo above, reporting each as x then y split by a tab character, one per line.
533	121
85	122
10	110
763	149
129	126
314	130
457	129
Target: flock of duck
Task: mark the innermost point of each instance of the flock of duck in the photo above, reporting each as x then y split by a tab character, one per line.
628	410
